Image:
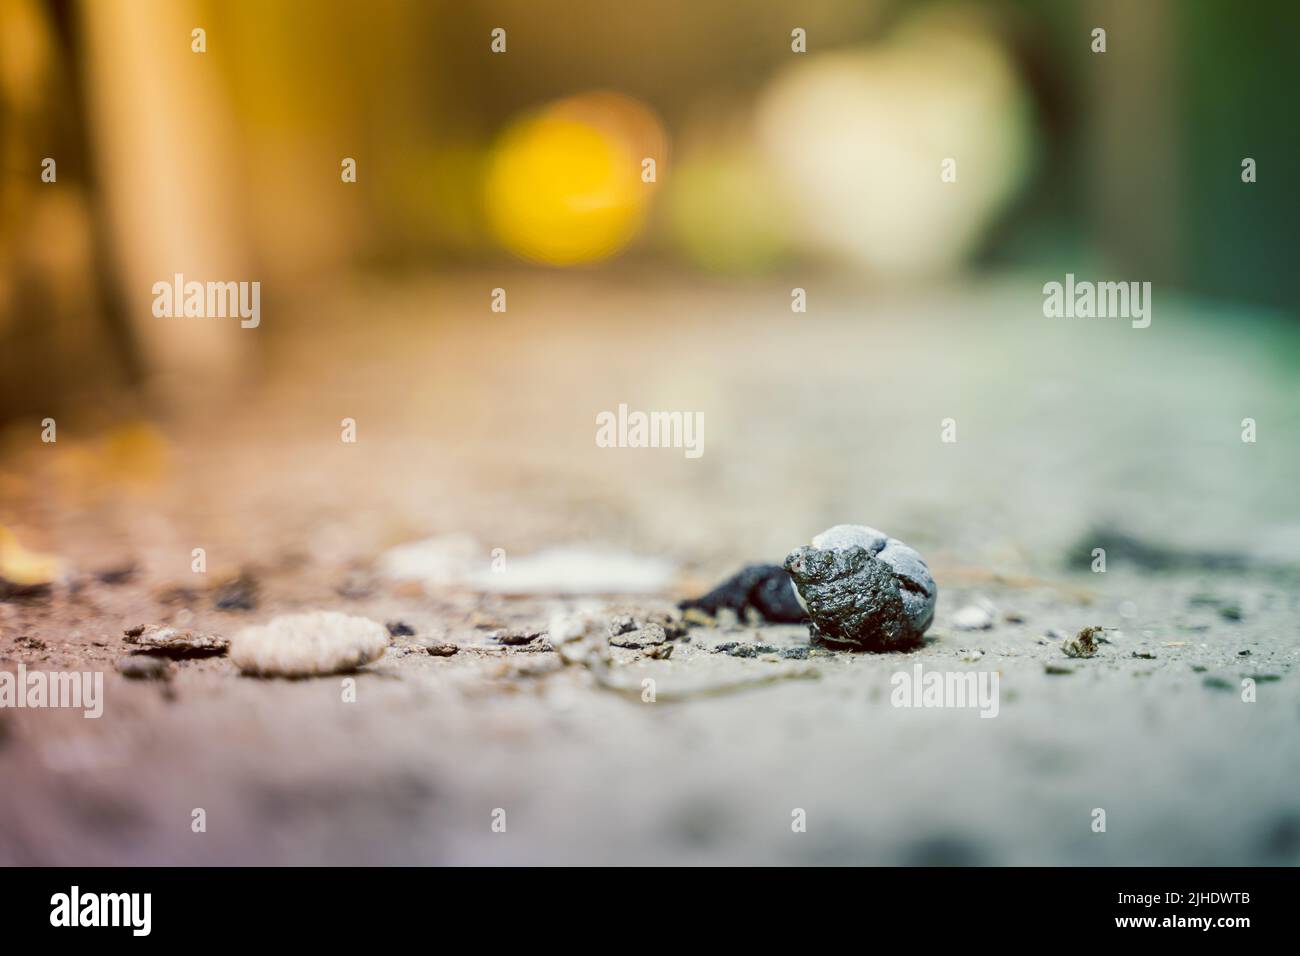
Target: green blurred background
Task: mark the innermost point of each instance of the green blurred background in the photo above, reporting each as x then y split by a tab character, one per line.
1121	165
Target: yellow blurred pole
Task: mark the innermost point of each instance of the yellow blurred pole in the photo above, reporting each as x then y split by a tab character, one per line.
166	153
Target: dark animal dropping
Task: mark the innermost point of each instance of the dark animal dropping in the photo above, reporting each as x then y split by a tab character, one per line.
856	587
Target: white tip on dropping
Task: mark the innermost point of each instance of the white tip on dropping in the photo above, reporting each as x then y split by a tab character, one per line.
300	645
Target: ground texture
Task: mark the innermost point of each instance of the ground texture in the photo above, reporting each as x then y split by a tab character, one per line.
1070	436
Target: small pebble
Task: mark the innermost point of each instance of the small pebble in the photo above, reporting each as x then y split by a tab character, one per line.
116	575
646	636
514	637
442	650
400	629
159	638
144	667
237	594
741	649
972	617
1084	643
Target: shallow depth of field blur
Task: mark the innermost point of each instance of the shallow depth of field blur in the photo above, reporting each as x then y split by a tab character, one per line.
643	185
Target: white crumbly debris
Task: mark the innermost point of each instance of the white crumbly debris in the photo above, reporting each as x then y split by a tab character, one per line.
162	638
301	645
580	637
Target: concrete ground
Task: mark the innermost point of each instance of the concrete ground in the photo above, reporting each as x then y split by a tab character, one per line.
1071	434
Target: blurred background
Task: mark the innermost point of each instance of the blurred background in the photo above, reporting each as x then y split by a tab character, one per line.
647	187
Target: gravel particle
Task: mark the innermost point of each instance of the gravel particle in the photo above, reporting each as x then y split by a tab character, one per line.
118	574
155	637
642	637
973	617
400	629
514	637
743	649
144	667
442	650
1084	643
237	594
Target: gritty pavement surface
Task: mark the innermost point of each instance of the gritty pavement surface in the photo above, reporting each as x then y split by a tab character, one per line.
480	424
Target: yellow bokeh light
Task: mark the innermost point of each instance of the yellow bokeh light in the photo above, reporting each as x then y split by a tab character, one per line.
564	187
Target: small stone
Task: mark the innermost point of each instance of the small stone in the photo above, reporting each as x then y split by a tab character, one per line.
1054	670
23	573
237	594
514	637
621	624
144	667
796	653
30	643
660	651
580	638
646	636
400	629
972	617
1084	643
1144	656
442	650
174	640
119	574
301	645
176	594
743	649
1243	653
